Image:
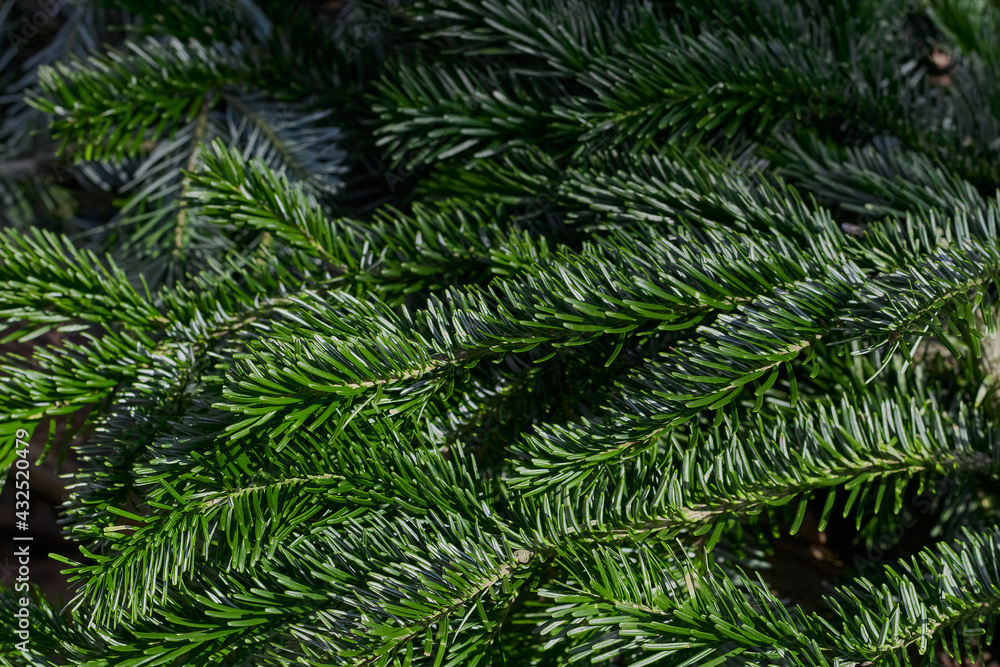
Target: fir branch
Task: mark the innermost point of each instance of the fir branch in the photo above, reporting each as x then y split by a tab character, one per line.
873	446
177	77
180	228
713	614
47	281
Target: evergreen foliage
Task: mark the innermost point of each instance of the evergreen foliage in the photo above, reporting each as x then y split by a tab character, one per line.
508	333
